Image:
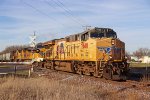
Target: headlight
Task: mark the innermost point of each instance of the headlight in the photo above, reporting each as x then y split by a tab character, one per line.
110	57
37	51
112	41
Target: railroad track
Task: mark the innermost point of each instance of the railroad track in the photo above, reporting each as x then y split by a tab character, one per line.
65	76
70	76
4	75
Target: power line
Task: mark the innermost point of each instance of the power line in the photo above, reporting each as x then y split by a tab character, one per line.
41	12
69	11
37	9
64	14
72	17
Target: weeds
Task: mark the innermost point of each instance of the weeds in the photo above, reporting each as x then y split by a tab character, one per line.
46	89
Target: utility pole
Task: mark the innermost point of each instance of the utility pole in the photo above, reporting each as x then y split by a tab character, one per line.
87	27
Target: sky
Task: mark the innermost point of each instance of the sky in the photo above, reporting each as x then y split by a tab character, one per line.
51	19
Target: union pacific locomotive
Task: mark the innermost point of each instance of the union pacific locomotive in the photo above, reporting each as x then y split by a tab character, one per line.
96	52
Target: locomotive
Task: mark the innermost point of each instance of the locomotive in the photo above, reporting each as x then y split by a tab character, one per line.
96	52
21	55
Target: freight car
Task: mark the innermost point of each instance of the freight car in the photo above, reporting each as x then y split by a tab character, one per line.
97	52
5	57
1	57
26	54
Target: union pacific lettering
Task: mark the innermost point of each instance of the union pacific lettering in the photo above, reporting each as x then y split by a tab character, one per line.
84	45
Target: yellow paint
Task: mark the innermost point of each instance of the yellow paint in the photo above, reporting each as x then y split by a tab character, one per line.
76	51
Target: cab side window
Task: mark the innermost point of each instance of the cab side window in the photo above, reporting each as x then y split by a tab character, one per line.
84	37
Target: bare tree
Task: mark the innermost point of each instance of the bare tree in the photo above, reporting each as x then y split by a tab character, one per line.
13	48
128	55
142	52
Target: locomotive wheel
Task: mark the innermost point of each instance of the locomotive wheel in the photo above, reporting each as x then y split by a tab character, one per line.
52	65
36	66
74	67
91	73
46	65
100	75
108	73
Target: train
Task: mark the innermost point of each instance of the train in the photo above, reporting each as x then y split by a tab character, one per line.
96	52
26	54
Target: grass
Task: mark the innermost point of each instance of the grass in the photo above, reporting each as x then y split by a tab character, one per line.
46	89
139	65
146	78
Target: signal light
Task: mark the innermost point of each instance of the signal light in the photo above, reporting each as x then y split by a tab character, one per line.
37	51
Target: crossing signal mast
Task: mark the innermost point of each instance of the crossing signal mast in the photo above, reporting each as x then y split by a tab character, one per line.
33	40
87	27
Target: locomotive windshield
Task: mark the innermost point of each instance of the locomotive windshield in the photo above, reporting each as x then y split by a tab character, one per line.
39	46
97	35
111	34
103	33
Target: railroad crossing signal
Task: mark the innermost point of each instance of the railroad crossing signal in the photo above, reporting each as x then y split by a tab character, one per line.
33	40
86	27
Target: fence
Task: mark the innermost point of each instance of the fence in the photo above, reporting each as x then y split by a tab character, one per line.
146	77
14	71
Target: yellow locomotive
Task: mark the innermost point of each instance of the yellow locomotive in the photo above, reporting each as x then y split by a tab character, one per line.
25	55
97	52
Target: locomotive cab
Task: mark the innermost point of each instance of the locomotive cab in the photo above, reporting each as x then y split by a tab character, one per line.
110	53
